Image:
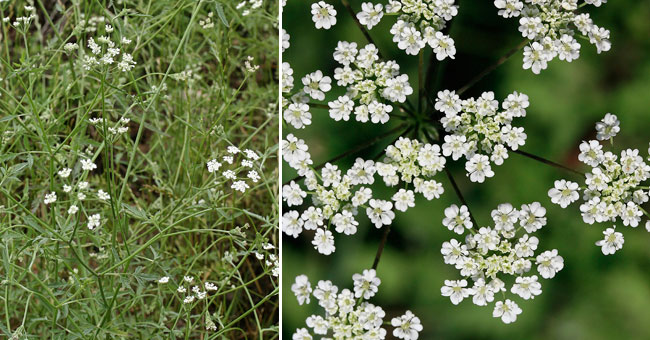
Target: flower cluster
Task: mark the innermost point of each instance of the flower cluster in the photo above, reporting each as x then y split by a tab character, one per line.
247	6
238	162
337	197
192	292
369	83
78	192
419	22
480	132
613	187
104	52
490	254
348	314
551	26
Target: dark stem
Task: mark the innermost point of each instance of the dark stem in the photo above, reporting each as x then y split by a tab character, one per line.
460	195
354	150
380	250
363	29
548	162
492	67
421	81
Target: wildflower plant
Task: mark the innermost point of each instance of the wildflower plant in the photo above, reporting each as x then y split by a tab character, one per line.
422	128
138	170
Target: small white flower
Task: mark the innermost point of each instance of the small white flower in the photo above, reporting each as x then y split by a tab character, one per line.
65	172
455	290
457	219
380	212
564	193
507	311
94	221
407	326
323	15
302	289
163	279
88	165
73	209
612	242
50	198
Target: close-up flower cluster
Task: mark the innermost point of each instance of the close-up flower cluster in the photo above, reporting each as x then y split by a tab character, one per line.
613	190
490	259
348	314
442	82
553	28
478	131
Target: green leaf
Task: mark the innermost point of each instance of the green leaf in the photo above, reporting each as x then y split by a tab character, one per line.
221	15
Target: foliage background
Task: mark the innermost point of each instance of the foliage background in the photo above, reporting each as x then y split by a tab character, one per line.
595	296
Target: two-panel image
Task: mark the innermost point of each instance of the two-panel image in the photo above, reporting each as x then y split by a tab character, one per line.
324	169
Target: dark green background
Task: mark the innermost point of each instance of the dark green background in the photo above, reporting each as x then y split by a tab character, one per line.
595	296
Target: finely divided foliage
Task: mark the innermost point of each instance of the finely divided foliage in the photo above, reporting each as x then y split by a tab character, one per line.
438	127
138	170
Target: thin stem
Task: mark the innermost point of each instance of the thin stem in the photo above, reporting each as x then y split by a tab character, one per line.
363	29
548	162
380	249
354	150
460	196
420	81
492	67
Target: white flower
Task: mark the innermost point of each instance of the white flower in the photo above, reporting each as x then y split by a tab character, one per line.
535	57
380	212
608	127
292	223
301	334
298	115
293	194
481	293
302	289
163	279
50	198
612	242
341	108
102	195
366	285
457	219
73	209
527	287
324	241
591	153
65	172
507	311
370	14
407	326
94	221
315	85
478	168
404	199
564	193
323	15
213	166
549	263
455	290
88	165
240	186
531	216
345	223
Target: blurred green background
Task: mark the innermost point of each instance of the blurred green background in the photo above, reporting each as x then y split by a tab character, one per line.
595	296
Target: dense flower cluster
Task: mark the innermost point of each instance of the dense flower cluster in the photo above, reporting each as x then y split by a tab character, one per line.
551	25
613	188
369	82
237	162
348	314
419	22
104	52
490	254
337	197
480	132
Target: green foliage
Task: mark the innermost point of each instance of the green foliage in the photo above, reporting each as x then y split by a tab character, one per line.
188	97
